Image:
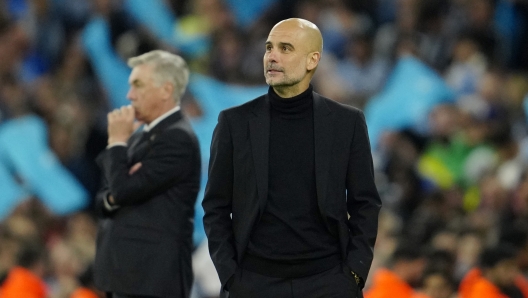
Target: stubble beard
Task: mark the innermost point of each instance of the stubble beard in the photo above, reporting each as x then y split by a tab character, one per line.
280	81
284	82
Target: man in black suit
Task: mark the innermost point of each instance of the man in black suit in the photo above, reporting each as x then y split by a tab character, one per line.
291	208
152	180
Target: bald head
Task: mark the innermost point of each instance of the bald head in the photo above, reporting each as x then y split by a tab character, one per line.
293	51
306	30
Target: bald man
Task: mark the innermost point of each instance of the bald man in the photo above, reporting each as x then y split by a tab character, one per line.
291	208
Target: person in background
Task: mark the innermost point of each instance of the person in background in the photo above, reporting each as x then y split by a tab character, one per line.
87	287
152	178
438	283
401	279
495	277
26	279
291	208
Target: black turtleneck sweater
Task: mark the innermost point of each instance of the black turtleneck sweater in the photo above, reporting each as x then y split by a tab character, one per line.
291	240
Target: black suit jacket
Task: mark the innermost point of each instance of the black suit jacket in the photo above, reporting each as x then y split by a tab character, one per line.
237	187
144	247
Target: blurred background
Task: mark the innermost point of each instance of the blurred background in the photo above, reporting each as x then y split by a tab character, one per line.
443	84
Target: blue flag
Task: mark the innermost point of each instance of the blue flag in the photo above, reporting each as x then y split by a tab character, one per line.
159	19
11	193
24	148
411	91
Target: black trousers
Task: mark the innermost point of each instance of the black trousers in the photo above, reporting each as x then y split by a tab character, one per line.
337	282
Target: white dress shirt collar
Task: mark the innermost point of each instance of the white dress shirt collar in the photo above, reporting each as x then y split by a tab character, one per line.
150	126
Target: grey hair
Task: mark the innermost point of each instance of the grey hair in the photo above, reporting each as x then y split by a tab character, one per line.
168	67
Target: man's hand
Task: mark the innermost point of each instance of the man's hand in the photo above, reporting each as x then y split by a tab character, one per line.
134	168
120	124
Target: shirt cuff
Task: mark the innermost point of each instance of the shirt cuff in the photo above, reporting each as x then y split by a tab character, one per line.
107	204
116	144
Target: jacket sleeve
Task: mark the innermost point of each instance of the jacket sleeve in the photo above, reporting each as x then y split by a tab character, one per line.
100	209
363	201
217	202
168	162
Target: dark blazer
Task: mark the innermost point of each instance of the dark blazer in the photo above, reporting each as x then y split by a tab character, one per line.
238	181
144	247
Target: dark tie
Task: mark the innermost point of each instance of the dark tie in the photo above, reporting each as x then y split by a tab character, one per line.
138	147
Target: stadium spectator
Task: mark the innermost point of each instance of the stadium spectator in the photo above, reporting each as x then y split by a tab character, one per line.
495	277
401	278
26	278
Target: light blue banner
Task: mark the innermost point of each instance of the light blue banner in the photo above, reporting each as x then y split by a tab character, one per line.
411	91
24	149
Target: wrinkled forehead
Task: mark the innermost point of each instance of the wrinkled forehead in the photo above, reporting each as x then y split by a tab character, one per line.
287	34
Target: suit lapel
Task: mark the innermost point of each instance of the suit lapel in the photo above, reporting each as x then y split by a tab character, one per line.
259	128
136	145
160	127
323	144
139	146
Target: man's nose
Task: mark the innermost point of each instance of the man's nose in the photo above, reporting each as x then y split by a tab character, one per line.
271	56
130	95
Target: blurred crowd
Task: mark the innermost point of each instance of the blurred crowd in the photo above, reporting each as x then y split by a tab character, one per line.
452	171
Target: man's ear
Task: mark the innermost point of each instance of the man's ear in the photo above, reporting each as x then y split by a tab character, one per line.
313	60
167	90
